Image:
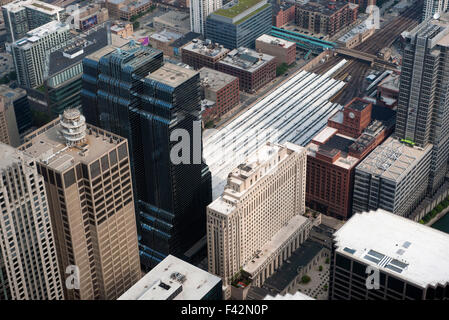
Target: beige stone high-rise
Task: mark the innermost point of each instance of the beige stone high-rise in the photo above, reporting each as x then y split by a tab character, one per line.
258	221
28	261
9	133
87	177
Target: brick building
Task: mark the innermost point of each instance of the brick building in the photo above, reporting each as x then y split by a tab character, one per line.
125	9
198	54
253	69
284	51
221	88
283	14
335	152
325	17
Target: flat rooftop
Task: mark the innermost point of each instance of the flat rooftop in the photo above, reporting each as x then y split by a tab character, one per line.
171	74
361	28
175	19
214	80
246	59
11	94
271	247
392	159
287	273
322	6
48	146
166	36
78	48
206	48
236	7
397	246
10	155
34	5
275	41
37	34
391	82
172	279
133	5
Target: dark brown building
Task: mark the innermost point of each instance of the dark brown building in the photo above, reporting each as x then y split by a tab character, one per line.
324	16
253	69
334	153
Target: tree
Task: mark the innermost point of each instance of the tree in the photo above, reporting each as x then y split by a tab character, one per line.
305	279
136	25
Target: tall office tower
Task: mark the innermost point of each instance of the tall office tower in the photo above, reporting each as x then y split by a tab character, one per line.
88	182
30	53
199	10
9	132
409	260
239	23
423	104
257	222
23	16
130	93
431	7
28	259
17	100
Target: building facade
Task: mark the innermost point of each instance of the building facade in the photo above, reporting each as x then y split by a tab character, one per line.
284	51
88	181
199	10
393	177
325	17
423	106
283	13
431	7
253	69
30	53
29	268
170	198
410	259
239	24
257	222
199	54
222	89
23	16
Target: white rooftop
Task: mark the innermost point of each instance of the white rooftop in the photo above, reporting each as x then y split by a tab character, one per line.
172	279
295	111
34	5
403	248
288	296
275	41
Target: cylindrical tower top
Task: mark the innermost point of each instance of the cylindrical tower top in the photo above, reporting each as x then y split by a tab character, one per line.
73	127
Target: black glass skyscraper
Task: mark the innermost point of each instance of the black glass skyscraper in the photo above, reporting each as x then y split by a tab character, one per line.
130	92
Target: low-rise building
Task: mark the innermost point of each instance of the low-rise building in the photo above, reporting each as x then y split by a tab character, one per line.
163	40
253	69
356	35
198	54
176	21
122	29
91	15
393	177
284	51
221	88
283	13
125	9
325	17
175	279
334	153
388	90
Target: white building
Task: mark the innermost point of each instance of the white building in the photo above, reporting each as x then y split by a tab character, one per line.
410	259
257	222
199	10
28	261
175	279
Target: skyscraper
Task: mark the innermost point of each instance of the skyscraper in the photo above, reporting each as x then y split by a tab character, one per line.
30	53
28	259
378	255
88	181
434	6
423	104
199	10
127	91
23	16
257	222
